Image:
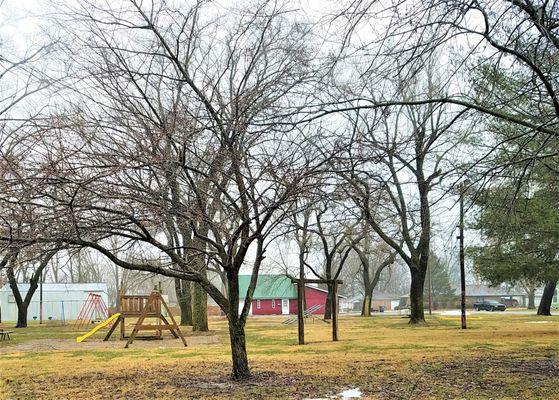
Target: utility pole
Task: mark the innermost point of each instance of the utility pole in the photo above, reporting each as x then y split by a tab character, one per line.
334	310
41	298
430	285
462	267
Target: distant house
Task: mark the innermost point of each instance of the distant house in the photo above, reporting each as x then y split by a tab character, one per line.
60	300
510	297
345	304
277	295
355	302
380	299
387	300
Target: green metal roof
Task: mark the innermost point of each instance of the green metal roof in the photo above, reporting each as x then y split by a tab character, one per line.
268	287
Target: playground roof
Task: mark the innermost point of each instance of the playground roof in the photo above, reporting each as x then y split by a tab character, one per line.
268	287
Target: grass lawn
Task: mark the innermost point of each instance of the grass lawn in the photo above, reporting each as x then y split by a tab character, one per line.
499	356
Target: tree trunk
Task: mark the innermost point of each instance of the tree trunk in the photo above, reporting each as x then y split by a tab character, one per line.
328	305
367	298
417	315
182	289
22	316
241	369
531	299
547	298
199	308
367	301
21	304
199	297
236	323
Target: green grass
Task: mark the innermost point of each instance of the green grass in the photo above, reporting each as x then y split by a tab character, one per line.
36	331
498	356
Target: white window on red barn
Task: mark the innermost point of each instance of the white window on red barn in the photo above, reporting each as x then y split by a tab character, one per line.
258	304
273	303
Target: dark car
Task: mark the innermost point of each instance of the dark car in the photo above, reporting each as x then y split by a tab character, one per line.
489	305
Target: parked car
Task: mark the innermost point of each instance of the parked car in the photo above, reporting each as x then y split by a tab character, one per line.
489	305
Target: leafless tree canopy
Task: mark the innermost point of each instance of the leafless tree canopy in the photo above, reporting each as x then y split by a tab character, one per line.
183	138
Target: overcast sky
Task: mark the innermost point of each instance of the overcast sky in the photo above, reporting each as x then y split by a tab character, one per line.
22	27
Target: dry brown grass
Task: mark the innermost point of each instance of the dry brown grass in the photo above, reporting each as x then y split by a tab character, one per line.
499	356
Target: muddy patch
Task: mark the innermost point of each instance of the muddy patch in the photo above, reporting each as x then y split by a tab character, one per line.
98	344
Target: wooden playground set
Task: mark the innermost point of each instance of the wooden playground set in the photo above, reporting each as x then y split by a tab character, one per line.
136	307
142	307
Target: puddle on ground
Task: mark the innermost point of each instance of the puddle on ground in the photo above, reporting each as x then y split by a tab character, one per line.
351	394
345	395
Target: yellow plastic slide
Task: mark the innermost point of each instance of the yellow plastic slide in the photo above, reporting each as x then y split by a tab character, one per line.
106	322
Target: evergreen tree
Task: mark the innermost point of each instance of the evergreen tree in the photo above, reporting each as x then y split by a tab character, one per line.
517	213
521	235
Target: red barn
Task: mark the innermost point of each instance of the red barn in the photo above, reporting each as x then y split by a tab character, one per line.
277	295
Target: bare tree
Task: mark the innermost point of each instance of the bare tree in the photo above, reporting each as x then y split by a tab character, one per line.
22	303
402	156
513	42
332	230
166	102
374	261
301	221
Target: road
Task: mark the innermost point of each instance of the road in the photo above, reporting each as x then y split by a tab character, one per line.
456	312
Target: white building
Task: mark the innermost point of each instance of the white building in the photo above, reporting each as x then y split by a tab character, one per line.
61	301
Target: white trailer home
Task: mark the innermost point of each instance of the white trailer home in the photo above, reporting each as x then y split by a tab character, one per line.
61	301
